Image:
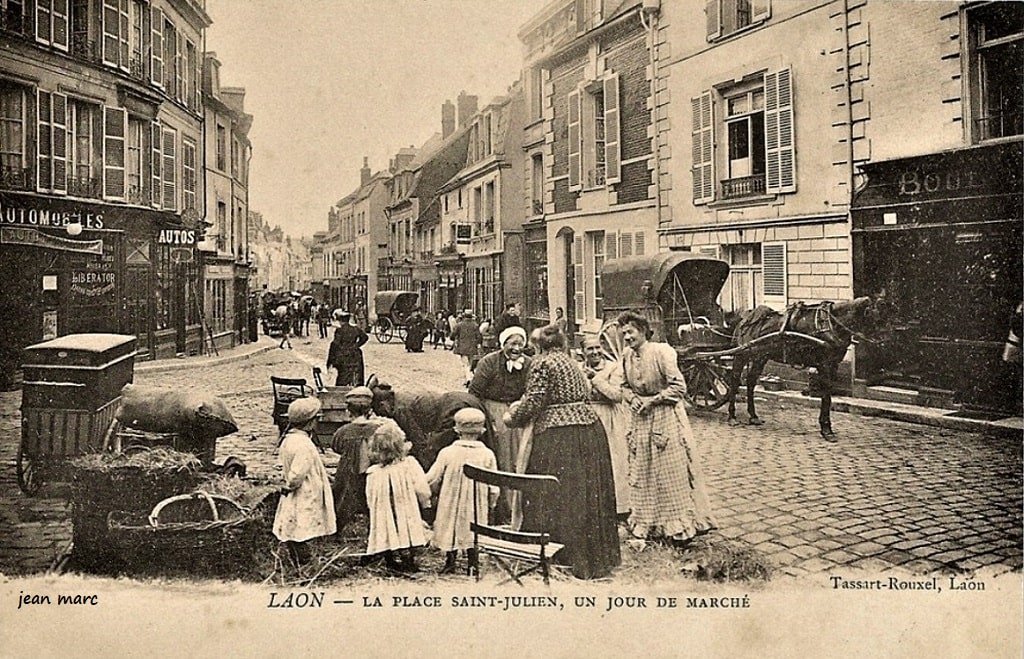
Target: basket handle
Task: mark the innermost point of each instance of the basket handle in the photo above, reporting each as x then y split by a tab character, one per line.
155	515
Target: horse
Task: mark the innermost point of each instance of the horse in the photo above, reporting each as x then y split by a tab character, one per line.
827	329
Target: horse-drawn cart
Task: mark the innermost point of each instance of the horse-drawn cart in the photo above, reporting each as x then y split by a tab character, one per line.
393	309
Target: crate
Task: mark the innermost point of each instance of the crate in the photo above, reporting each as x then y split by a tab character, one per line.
57	433
77	371
334	413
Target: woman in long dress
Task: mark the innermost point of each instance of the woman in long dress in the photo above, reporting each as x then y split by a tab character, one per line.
570	443
667	495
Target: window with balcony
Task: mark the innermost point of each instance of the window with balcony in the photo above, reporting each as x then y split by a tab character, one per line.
488	215
170	57
83	149
594	134
757	155
116	33
115	138
133	161
725	17
996	59
14	171
83	24
136	64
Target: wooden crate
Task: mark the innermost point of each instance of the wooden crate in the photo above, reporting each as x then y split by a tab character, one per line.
60	433
333	415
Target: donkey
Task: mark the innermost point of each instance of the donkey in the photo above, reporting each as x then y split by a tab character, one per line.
835	325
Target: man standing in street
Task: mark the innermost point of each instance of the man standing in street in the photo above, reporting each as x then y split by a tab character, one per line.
346	352
508	318
466	336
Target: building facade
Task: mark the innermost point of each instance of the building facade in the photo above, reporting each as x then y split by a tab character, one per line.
101	187
227	151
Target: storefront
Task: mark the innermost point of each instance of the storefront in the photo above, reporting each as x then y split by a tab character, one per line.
535	302
941	235
451	289
484	285
68	266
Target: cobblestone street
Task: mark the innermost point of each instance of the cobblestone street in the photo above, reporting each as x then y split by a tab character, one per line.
888	494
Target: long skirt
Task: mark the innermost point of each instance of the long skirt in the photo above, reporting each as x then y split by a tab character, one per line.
616	418
581	514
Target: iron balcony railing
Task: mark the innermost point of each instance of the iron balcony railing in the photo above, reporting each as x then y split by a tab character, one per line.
84	48
12	21
744	186
136	66
1005	124
85	186
538	207
138	194
15	178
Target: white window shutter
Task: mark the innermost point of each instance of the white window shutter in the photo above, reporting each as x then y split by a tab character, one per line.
156	163
115	130
579	299
111	41
780	162
625	245
713	10
575	142
156	47
702	135
59	109
639	245
124	32
188	173
774	274
44	21
170	198
60	24
179	68
44	137
612	130
760	10
611	244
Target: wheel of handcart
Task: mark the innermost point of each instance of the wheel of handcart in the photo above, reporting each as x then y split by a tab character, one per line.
707	383
384	330
29	478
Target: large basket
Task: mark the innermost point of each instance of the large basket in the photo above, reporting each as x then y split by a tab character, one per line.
195	533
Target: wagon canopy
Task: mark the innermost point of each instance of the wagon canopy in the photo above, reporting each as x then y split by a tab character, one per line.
384	302
637	281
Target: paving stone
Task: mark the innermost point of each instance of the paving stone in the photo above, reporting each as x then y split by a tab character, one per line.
864	549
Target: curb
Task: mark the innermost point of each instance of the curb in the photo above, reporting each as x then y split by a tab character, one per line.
1011	427
164	365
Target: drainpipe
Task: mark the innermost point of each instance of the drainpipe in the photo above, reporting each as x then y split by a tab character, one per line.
849	103
651	29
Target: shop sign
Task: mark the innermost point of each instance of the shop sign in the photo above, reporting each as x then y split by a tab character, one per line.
93	283
177	237
45	217
27	236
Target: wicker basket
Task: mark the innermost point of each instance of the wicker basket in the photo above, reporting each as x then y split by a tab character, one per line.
195	533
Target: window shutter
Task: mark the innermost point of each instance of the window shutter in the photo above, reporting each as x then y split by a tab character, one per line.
60	24
156	49
44	24
611	244
773	265
179	68
612	130
703	149
44	141
639	244
59	109
156	162
170	170
760	10
575	143
188	173
625	245
111	39
780	163
579	279
169	41
124	33
115	129
713	10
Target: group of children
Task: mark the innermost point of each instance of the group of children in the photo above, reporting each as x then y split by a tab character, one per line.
397	489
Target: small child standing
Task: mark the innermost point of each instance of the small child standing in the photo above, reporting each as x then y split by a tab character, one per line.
455	501
396	488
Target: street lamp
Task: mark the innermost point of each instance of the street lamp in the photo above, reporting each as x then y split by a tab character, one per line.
74	228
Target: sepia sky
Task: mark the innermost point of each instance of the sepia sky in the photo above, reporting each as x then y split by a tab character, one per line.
329	81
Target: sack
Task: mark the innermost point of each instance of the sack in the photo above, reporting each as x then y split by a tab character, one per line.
156	409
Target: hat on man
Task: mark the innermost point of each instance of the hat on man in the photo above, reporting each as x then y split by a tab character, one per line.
469	417
302	410
360	392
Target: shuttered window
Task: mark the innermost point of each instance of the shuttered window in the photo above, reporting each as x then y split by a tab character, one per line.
156	50
611	245
639	244
52	23
170	41
115	127
156	162
59	141
612	130
188	172
575	142
170	170
702	135
579	280
773	265
625	245
116	33
727	16
780	164
44	141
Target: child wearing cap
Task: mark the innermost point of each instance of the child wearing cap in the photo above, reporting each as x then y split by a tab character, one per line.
455	500
396	488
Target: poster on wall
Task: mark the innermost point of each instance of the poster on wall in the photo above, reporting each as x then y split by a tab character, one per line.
49	325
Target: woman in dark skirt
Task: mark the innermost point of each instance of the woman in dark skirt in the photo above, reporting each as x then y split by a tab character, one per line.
569	442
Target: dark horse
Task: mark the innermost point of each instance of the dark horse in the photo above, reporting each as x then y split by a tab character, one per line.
828	329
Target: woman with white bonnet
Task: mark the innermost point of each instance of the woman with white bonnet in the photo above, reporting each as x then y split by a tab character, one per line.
498	381
306	508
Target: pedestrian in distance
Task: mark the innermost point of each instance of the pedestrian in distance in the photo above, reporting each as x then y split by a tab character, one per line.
440	334
306	507
508	318
466	336
456	493
416	329
323	319
488	337
396	489
346	353
282	316
560	320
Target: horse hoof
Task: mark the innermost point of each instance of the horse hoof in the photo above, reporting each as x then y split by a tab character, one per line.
755	421
828	435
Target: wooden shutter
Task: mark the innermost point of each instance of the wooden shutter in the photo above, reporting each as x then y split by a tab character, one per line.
612	130
156	162
115	130
625	245
59	110
44	21
639	243
170	170
773	275
703	148
780	165
575	142
60	24
156	48
760	10
713	10
188	173
170	44
579	299
44	141
111	42
611	244
179	68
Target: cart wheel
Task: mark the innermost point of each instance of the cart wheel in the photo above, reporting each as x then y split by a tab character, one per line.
707	383
383	330
29	479
400	331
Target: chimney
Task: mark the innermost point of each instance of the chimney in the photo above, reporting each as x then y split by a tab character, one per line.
467	108
447	119
364	173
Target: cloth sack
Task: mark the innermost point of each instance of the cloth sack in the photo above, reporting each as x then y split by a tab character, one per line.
156	409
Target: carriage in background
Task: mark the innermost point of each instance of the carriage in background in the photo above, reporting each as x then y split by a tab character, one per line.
677	292
393	309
